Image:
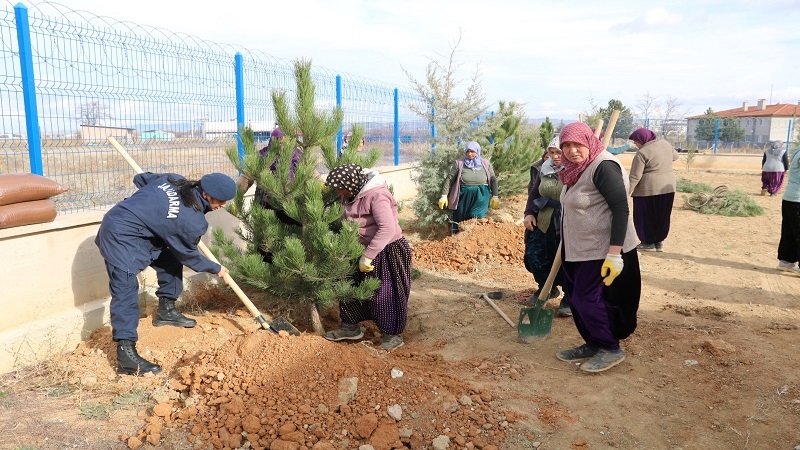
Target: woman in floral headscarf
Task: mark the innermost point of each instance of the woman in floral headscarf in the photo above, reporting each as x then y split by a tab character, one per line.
653	188
601	267
774	164
387	255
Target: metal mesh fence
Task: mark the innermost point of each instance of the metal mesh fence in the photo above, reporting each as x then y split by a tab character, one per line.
169	98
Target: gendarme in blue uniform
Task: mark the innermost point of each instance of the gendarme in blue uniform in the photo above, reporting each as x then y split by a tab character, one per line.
152	227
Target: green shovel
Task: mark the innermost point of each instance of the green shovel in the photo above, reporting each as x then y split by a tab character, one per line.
535	323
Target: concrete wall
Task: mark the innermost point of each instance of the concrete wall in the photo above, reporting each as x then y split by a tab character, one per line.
54	284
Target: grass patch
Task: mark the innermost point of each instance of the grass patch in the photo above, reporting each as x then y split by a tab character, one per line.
133	398
96	411
691	187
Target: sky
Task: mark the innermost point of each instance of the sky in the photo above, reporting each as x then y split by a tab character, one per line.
558	58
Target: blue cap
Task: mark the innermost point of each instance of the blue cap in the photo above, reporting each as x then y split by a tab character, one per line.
218	186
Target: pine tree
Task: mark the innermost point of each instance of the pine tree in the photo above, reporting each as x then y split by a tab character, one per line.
311	263
512	149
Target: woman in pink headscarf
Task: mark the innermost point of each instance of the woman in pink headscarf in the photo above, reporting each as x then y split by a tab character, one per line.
601	267
653	188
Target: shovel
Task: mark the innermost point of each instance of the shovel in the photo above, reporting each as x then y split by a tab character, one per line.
278	324
535	323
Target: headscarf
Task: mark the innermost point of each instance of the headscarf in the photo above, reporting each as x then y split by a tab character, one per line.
775	148
553	143
474	163
642	136
581	133
347	176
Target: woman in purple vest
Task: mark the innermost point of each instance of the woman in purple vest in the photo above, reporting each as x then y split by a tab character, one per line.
470	188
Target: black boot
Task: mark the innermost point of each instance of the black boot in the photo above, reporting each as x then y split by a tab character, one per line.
130	363
168	315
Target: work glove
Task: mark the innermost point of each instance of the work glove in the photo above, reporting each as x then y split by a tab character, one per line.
365	264
443	202
611	268
494	203
324	187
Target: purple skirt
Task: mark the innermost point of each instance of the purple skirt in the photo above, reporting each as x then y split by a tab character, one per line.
603	314
388	306
772	181
651	216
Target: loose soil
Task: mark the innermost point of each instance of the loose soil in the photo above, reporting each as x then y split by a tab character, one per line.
712	364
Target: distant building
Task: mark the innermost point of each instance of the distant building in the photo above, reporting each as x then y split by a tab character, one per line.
157	135
762	123
98	133
227	130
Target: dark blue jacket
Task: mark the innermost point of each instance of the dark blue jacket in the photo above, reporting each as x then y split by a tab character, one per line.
154	219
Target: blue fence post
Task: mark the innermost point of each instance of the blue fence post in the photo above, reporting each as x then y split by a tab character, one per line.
339	105
29	88
789	135
716	134
396	127
433	127
647	123
239	102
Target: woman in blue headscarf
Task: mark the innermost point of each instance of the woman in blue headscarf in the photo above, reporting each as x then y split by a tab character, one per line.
470	188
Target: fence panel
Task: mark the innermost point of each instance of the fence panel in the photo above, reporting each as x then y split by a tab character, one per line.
169	98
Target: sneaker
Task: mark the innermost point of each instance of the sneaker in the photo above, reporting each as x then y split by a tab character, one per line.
576	354
391	341
344	333
563	309
603	361
659	246
555	292
763	192
646	247
787	266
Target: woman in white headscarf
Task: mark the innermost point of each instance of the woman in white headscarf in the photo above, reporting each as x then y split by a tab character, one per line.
470	188
774	165
542	225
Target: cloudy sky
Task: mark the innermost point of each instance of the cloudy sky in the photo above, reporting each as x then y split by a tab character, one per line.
555	56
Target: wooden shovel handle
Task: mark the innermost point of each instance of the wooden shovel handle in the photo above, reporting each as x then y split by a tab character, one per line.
544	295
201	246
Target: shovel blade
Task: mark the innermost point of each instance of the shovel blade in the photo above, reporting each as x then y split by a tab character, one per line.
534	323
280	323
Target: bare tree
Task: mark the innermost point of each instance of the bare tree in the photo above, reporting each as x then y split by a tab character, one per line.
93	113
452	115
672	119
647	106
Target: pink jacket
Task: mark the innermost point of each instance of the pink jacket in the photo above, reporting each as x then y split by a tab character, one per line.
374	209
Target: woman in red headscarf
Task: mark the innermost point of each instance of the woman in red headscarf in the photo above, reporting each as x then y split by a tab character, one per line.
601	267
653	188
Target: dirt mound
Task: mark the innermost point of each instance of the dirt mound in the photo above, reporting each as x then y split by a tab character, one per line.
267	391
480	241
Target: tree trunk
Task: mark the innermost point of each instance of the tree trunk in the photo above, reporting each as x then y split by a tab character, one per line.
316	322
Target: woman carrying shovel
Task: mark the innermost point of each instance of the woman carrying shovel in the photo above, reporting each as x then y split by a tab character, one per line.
601	266
542	224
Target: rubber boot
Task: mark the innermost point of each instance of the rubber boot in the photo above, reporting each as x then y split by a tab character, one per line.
168	315
130	363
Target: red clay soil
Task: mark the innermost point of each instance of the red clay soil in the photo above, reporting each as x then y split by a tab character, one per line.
479	242
286	392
